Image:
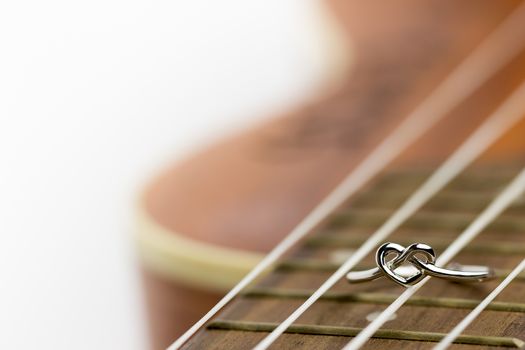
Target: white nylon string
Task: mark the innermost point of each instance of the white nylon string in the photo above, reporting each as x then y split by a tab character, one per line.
495	51
496	125
496	207
447	341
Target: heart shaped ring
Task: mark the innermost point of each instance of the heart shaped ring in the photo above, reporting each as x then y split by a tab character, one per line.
411	264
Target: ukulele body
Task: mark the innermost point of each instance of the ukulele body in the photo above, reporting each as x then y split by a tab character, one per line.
205	222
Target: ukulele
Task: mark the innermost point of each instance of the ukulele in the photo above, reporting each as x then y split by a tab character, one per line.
422	142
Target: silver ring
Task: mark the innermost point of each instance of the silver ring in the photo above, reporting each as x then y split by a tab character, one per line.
420	258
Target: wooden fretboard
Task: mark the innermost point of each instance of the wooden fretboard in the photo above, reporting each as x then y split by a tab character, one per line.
346	309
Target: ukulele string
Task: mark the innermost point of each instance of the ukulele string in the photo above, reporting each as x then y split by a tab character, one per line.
460	327
515	189
500	121
491	55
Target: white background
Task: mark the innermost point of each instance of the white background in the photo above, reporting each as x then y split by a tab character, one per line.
97	96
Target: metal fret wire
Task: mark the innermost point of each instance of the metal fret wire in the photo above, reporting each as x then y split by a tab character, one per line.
381	299
424	220
493	53
449	339
492	247
297	328
500	121
509	194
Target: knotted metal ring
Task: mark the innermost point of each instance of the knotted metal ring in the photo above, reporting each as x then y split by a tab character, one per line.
420	258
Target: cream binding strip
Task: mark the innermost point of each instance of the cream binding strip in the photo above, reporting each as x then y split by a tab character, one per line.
496	51
194	263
